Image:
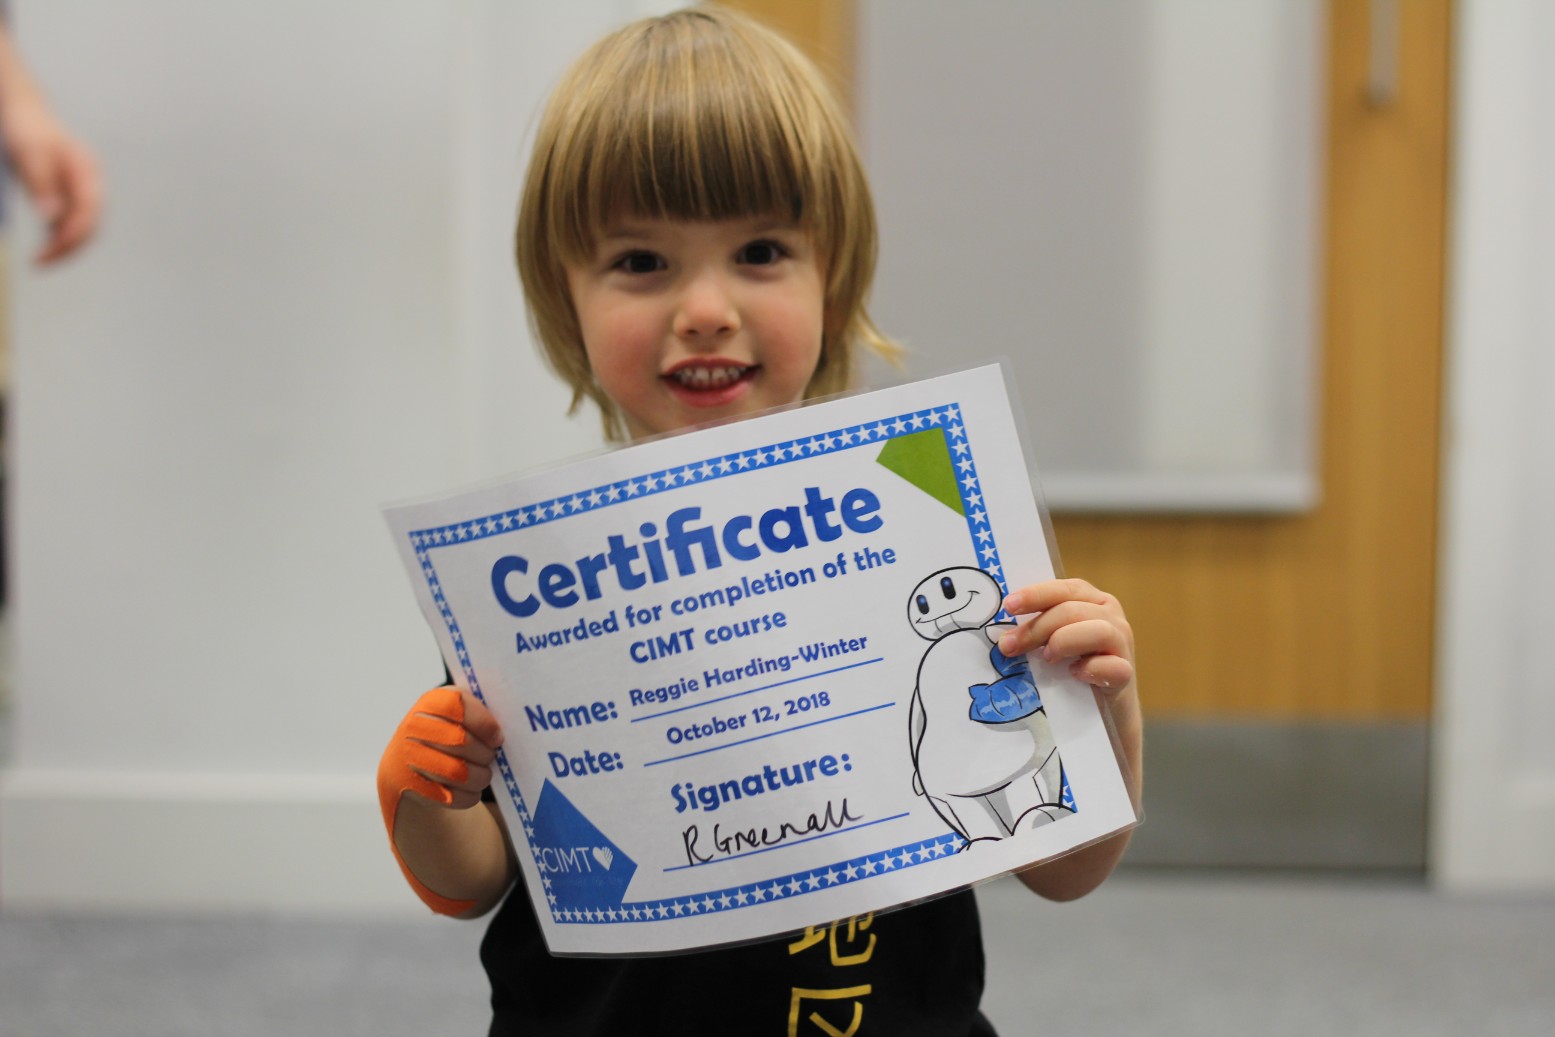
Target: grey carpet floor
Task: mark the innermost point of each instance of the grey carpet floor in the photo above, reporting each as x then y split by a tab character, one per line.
1161	954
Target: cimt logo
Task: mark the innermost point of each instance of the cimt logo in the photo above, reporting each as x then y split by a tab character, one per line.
574	859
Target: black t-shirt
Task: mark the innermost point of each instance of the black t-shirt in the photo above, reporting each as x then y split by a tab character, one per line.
916	971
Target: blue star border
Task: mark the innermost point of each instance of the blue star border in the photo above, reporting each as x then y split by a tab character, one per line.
425	541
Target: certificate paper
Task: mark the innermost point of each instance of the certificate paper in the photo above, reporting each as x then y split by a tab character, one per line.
747	674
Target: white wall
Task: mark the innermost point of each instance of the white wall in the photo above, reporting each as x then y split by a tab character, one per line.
1493	802
301	306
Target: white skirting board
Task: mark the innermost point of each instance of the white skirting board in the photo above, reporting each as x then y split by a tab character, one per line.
175	843
1284	796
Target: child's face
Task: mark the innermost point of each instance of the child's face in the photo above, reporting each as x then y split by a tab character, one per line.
685	322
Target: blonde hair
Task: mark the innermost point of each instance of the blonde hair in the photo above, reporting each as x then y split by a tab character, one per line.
697	115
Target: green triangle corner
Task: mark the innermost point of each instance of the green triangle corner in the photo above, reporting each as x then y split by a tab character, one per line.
923	459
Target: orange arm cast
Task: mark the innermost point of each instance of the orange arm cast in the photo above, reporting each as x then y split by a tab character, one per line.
412	763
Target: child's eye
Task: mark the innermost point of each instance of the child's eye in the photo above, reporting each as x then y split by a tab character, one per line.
761	253
640	263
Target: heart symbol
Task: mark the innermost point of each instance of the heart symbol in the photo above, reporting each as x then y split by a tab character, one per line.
603	855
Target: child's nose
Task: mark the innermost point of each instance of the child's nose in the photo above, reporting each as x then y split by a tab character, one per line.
706	309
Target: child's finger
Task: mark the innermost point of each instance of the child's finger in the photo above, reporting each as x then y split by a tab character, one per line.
472	751
1039	597
454	720
446	769
1074	618
1109	672
451	782
418	784
442	703
1085	637
428	729
481	722
1055	604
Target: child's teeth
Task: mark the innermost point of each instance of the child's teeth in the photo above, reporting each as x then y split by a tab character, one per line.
708	377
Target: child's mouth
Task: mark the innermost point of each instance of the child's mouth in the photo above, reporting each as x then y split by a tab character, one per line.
700	377
710	385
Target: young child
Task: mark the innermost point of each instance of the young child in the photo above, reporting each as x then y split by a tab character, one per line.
696	240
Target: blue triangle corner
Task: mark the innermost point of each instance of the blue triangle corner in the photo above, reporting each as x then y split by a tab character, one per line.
583	867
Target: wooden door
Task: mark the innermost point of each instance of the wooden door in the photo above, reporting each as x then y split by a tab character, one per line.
1325	616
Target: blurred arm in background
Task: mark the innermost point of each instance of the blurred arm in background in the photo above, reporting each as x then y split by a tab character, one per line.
58	172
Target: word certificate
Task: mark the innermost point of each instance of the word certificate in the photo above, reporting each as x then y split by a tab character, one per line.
748	675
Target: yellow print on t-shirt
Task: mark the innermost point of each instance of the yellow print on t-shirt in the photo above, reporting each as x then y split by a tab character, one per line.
849	943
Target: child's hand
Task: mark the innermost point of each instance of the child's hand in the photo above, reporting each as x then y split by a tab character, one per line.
1073	621
1076	623
442	752
438	762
